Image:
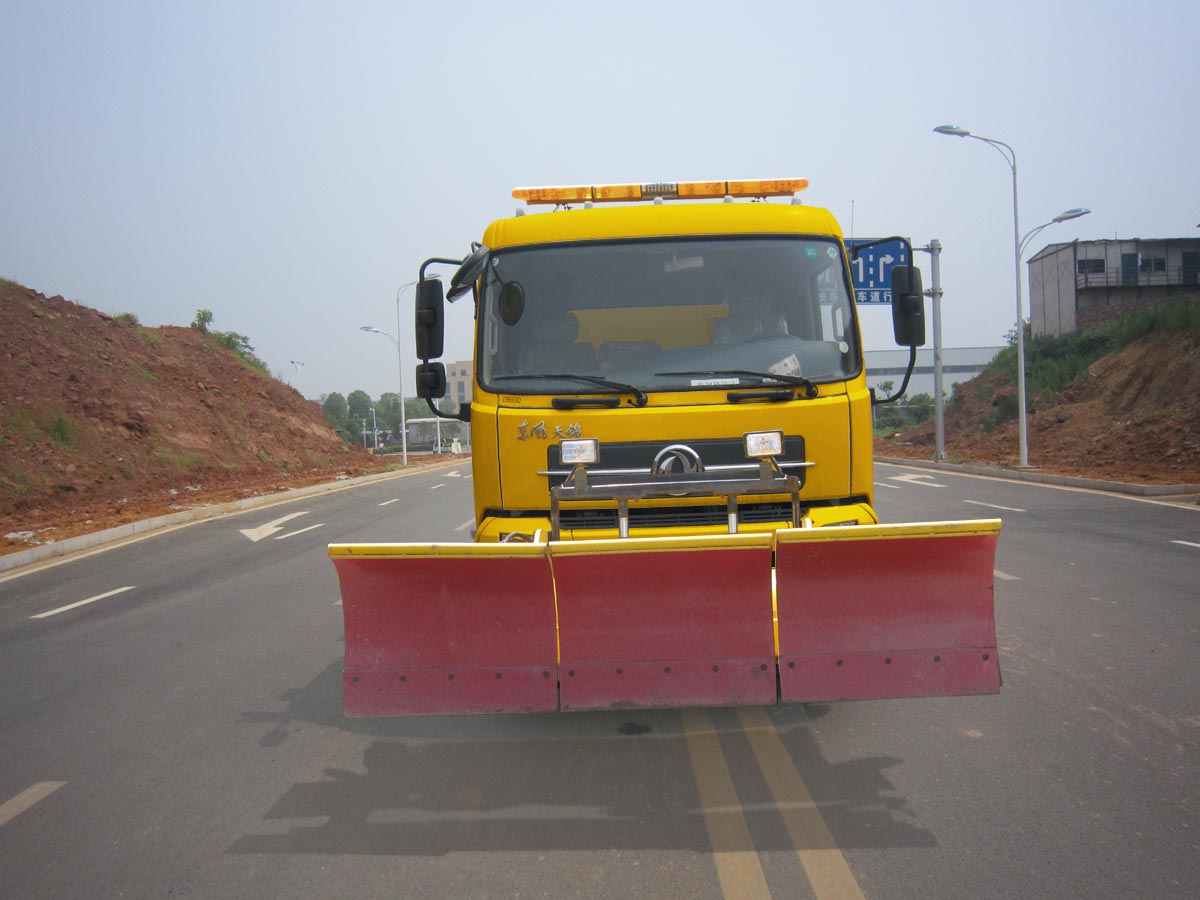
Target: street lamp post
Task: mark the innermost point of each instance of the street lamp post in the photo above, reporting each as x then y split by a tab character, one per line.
1010	157
400	363
375	429
403	427
296	364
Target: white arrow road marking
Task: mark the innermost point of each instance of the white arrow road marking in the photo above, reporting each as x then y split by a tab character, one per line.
63	609
26	799
454	474
301	531
994	506
894	487
1004	576
264	531
915	478
388	502
1186	543
434	487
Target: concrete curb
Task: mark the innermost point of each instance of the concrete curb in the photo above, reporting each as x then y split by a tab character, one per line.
124	532
1095	484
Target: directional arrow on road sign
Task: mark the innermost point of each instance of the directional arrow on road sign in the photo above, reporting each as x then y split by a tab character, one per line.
914	478
265	531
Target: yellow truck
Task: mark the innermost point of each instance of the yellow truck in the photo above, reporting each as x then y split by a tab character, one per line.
673	477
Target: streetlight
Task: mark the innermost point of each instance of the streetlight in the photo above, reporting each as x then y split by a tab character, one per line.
1010	157
297	364
403	427
1061	217
375	429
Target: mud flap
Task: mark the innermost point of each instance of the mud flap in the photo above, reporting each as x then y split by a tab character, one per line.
441	629
665	622
875	611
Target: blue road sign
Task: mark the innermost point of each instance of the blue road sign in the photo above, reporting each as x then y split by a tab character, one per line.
871	269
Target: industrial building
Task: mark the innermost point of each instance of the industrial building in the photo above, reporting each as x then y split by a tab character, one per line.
1081	284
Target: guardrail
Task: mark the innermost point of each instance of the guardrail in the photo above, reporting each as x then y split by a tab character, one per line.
1116	277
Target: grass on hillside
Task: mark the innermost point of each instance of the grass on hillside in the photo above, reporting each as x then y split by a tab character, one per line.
1052	363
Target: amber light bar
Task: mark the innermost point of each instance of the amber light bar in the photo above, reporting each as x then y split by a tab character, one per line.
669	190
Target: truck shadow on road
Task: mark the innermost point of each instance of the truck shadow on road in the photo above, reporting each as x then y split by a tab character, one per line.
585	781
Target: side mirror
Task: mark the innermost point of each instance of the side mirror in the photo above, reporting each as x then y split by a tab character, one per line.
462	281
431	381
908	306
430	319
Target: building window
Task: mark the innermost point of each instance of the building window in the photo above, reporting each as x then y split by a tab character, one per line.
1089	267
1152	264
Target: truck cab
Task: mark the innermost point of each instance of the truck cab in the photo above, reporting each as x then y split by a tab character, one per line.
653	342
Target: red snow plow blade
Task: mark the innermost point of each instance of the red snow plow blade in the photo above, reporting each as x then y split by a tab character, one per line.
877	611
440	629
863	612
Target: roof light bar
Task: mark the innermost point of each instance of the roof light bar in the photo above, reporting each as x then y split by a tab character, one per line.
683	190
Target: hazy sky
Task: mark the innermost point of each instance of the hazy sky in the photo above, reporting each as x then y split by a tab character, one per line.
289	165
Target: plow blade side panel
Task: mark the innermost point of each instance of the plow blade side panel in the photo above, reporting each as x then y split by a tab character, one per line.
887	611
665	622
447	629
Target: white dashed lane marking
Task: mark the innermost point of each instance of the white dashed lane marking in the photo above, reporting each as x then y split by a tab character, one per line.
70	606
993	506
26	799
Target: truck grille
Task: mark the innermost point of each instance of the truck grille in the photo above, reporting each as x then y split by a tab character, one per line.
673	516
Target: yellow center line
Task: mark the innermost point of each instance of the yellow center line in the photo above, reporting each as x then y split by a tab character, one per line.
823	862
738	868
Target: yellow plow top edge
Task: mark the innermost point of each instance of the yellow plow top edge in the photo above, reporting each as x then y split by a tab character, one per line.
449	551
665	544
883	532
654	544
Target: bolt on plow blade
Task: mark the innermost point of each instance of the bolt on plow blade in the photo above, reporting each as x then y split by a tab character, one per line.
443	629
665	622
877	611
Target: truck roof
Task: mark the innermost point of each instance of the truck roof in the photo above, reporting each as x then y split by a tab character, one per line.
659	220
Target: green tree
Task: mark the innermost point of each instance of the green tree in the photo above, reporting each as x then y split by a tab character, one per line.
359	407
920	407
203	319
415	408
335	411
388	411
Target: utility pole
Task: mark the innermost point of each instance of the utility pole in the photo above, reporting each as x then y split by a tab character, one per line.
934	249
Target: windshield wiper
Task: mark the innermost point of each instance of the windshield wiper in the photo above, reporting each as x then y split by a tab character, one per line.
810	389
640	398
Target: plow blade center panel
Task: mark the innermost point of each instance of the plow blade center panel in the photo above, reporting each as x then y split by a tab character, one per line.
442	629
665	622
881	611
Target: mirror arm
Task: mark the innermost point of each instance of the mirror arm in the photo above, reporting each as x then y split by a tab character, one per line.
912	361
436	259
463	414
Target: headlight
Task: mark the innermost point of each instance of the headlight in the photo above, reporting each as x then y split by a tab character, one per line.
584	452
761	444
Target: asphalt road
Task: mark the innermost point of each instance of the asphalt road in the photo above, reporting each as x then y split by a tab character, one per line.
182	735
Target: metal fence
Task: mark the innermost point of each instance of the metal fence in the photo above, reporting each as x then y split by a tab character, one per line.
1116	277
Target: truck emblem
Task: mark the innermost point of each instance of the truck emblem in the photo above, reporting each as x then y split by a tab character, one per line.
677	458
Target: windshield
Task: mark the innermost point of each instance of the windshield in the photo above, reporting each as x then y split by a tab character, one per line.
667	315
